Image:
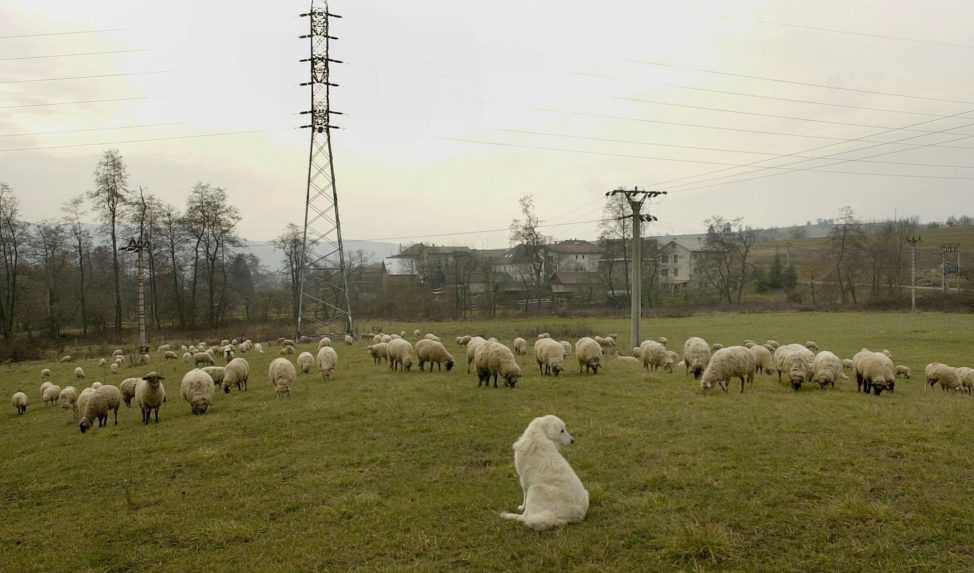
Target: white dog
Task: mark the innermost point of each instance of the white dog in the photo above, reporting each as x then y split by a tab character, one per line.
553	494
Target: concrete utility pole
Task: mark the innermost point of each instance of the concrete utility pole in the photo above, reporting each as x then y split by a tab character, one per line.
914	241
636	197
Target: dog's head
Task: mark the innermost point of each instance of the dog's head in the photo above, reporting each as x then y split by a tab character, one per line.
554	429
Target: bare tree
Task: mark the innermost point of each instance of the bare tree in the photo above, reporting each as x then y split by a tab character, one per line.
615	232
289	243
211	220
11	239
726	260
846	246
173	233
527	238
49	246
81	243
110	198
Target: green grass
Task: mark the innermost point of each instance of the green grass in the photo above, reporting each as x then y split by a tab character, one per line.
374	471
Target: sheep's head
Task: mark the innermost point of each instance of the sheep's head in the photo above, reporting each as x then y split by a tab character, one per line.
556	368
200	406
85	424
449	365
226	388
407	363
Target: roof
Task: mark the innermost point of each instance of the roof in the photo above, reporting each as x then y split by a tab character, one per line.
694	243
576	278
420	249
575	247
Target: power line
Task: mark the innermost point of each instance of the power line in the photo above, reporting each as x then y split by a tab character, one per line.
72	33
73	54
77	101
148	140
58	132
678	160
770	115
477	232
865	34
800	83
99	76
725	149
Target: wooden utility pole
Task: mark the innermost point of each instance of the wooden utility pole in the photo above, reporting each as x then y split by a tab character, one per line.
636	197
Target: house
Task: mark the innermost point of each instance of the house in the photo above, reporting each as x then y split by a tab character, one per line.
679	259
434	266
573	255
580	286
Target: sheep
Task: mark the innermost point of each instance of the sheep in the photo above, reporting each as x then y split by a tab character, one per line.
325	341
566	346
400	355
652	354
196	388
433	337
417	333
306	361
217	373
493	359
146	358
827	369
79	373
763	361
876	372
203	359
519	346
887	353
847	364
227	353
127	387
435	353
327	360
170	355
903	372
386	338
946	376
463	340
114	367
608	344
796	361
812	345
663	340
164	347
550	356
68	398
225	342
966	376
716	346
696	356
44	386
50	394
282	375
96	385
544	335
672	359
67	358
150	395
83	397
726	364
349	339
377	339
102	362
259	348
588	353
187	358
19	402
236	373
46	374
379	352
627	361
100	403
286	350
472	345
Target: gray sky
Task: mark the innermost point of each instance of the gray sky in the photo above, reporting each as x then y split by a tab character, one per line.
420	76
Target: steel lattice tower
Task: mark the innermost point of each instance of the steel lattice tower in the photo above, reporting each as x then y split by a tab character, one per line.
323	275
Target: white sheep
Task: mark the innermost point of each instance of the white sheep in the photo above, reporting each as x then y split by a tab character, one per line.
102	362
847	364
227	353
966	377
588	353
236	373
114	367
400	354
324	342
493	359
519	346
796	361
46	374
763	361
903	371
203	359
566	346
472	343
550	355
544	335
150	395
463	340
306	361
877	373
433	337
378	352
67	358
653	355
100	403
51	394
187	358
44	386
946	376
433	352
827	369
327	360
216	373
170	355
79	373
349	339
672	359
696	356
127	388
259	348
812	345
19	402
282	375
196	388
726	364
69	399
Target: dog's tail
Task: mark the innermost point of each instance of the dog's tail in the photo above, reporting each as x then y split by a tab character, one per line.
512	516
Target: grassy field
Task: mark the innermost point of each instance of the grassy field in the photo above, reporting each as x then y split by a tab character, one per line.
375	471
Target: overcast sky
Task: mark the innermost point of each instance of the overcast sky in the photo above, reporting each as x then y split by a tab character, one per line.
454	109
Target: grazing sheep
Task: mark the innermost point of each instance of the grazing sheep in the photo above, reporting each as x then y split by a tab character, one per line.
672	359
236	373
519	346
400	353
99	404
566	346
187	358
217	373
886	353
102	362
46	374
196	388
827	369
379	352
663	340
96	385
627	361
772	345
433	352
67	358
68	399
150	395
552	494
946	376
203	359
608	345
966	376
812	345
287	349
433	337
51	394
325	341
903	372
876	372
114	367
493	359
259	348
727	364
472	344
44	386
127	388
463	340
652	354
349	339
847	364
716	346
170	355
306	361
696	356
83	399
227	353
417	333
550	356
79	373
763	361
282	375
588	353
544	335
327	362
19	402
796	361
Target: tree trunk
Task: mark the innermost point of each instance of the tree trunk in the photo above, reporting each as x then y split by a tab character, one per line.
81	271
115	270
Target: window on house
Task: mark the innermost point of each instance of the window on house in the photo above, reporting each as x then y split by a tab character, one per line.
676	259
664	272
